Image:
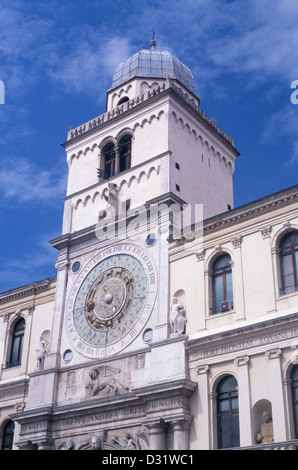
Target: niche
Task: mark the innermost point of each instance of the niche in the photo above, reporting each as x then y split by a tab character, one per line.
257	416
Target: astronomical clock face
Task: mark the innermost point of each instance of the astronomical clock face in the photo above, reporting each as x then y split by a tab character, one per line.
111	300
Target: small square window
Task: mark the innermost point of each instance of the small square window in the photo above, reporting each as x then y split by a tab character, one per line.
177	187
177	166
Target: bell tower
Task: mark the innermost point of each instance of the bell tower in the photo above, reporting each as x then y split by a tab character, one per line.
117	359
153	142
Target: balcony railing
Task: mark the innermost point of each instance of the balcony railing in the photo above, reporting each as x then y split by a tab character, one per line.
285	445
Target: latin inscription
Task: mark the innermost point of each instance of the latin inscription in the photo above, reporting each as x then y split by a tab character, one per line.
136	411
33	427
237	346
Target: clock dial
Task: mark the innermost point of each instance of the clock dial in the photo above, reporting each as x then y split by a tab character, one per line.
112	302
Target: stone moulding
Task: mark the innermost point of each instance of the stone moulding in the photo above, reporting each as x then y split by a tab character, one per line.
168	86
125	181
27	290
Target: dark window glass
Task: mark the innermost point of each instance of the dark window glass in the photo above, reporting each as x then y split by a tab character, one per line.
227	413
222	283
17	344
294	385
7	439
110	157
125	152
123	100
289	262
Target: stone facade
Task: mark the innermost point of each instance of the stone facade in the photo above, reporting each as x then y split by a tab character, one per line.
125	349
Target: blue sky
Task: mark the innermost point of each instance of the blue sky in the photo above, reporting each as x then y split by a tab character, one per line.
57	60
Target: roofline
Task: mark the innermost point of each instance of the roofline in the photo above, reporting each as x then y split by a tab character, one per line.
251	208
93	125
27	289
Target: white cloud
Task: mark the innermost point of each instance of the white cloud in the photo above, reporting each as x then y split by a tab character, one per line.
24	182
29	266
211	36
90	64
257	38
283	125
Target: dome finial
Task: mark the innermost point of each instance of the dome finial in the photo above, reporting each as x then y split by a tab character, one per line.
153	42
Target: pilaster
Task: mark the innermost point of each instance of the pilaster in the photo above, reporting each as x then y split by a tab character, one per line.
244	400
203	406
277	397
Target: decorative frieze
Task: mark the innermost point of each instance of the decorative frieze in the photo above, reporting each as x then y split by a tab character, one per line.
261	341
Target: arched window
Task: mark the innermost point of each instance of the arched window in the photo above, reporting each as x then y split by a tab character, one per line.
227	413
109	155
7	439
125	152
222	286
294	386
17	343
123	100
289	262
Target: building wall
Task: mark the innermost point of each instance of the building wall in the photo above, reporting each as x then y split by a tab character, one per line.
256	341
35	304
206	163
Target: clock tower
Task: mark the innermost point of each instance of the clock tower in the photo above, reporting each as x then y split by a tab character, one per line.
115	375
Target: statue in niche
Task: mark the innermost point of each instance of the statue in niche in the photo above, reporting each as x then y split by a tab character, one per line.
177	317
102	382
266	434
112	200
41	353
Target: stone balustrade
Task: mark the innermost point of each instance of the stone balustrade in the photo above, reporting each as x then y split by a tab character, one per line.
285	445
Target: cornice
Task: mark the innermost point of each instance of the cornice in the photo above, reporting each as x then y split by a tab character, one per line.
29	289
276	321
140	102
118	177
252	209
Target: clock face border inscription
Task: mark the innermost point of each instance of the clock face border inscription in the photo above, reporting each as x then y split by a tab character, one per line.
137	321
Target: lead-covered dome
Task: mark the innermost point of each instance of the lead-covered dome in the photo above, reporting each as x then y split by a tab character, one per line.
153	64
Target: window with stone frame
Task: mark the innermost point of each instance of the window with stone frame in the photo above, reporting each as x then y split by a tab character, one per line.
288	252
17	341
222	285
125	152
294	389
228	413
7	436
109	155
